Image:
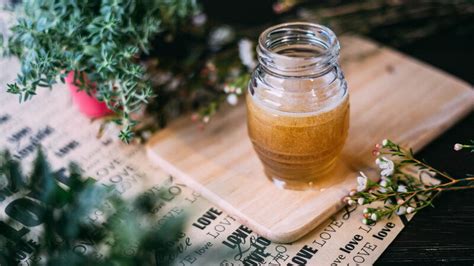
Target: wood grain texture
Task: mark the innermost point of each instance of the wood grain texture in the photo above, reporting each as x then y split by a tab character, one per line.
391	96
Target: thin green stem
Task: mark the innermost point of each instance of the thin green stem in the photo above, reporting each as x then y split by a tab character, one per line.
433	169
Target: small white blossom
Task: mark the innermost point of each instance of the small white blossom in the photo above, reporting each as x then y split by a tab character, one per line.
458	147
365	221
374	217
383	183
410	209
361	201
362	182
352	193
232	99
401	210
228	89
199	19
221	36
246	54
382	190
351	202
384	142
377	161
388	171
146	134
206	119
387	166
366	210
402	189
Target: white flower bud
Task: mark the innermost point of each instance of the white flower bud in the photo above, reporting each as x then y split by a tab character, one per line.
351	202
232	99
366	210
365	221
146	134
227	89
402	210
402	189
384	142
361	201
246	53
362	181
410	210
374	217
383	183
458	147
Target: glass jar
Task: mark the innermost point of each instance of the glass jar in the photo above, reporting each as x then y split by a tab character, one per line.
298	104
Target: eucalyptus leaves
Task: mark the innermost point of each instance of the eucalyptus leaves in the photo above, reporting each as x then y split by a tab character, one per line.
103	39
403	185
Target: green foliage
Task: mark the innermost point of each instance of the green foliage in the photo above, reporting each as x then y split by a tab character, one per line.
103	39
117	231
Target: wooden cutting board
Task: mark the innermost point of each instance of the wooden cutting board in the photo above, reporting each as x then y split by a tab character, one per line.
391	95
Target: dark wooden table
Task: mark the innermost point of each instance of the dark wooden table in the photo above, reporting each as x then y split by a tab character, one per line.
444	234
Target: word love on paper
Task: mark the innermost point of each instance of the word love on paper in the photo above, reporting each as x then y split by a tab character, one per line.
206	219
380	235
356	239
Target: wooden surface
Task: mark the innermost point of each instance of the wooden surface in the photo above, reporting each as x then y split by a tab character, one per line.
392	96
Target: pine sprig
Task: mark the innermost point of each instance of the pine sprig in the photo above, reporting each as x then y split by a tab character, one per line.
101	39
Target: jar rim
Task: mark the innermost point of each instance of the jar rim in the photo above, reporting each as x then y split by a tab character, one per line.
332	44
315	37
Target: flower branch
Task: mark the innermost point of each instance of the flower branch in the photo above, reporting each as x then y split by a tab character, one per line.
399	191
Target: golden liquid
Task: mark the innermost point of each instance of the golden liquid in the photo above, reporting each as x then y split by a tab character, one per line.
297	150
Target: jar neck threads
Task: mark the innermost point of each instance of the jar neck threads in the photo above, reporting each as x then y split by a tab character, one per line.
298	49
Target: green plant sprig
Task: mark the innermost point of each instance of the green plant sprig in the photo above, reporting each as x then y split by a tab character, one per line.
399	191
117	231
100	41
